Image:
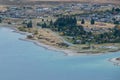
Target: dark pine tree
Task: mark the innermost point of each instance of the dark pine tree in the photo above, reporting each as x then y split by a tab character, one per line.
29	24
0	20
92	21
83	21
44	25
51	22
42	20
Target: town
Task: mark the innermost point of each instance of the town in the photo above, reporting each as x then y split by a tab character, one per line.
100	12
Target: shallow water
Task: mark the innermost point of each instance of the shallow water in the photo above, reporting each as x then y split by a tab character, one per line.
22	60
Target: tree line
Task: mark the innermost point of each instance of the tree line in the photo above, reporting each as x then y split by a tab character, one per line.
67	26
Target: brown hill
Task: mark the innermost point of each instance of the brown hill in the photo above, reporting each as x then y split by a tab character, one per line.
29	1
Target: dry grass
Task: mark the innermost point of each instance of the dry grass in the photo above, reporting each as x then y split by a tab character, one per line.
3	8
97	25
45	36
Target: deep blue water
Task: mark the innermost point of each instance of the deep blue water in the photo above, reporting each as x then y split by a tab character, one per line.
22	60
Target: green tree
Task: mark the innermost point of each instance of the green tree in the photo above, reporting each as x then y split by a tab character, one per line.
116	22
92	21
42	20
51	22
44	25
29	24
0	20
83	21
113	9
65	21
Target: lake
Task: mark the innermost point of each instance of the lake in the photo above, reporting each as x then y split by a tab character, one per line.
22	60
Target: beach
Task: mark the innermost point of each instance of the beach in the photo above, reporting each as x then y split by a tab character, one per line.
48	36
37	42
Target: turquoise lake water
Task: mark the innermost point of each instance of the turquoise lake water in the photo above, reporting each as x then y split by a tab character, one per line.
22	60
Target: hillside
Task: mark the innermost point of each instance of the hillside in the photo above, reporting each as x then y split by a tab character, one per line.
34	1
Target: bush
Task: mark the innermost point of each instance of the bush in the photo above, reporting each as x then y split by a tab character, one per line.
29	36
22	29
35	32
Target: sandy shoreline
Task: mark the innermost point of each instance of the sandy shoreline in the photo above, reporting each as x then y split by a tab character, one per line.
65	51
38	43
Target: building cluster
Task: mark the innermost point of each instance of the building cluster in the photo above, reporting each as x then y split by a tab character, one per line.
107	17
40	11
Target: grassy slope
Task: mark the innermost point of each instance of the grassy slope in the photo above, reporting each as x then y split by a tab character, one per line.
90	1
